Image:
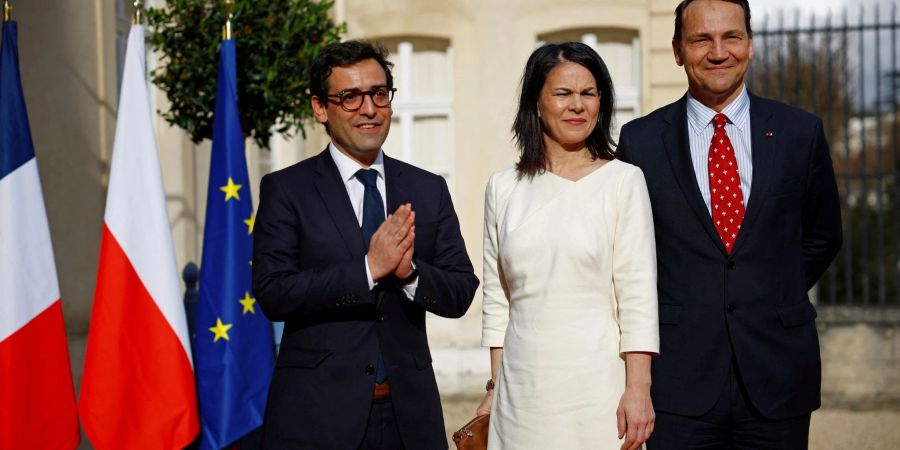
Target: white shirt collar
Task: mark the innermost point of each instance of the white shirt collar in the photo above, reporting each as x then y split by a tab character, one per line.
700	116
348	167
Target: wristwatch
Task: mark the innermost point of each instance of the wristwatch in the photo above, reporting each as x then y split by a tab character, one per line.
489	386
412	275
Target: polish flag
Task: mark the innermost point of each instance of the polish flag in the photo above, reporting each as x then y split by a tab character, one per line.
138	388
37	397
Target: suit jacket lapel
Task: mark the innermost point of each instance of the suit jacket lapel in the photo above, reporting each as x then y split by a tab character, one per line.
763	153
395	184
678	150
334	195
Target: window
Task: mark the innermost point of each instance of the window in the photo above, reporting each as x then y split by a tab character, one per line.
124	10
422	126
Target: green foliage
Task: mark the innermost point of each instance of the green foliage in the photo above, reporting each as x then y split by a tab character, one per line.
276	42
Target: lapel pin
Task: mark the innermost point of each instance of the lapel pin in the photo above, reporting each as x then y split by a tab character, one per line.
769	134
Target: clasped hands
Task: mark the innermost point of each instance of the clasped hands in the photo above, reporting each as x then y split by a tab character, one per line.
391	247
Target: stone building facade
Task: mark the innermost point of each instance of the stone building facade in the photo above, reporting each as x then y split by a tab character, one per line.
457	68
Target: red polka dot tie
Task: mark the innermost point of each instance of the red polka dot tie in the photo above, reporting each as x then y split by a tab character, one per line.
726	198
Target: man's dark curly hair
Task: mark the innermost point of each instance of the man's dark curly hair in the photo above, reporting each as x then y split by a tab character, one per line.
344	54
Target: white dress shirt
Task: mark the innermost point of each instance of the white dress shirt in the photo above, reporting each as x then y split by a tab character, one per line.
700	133
347	167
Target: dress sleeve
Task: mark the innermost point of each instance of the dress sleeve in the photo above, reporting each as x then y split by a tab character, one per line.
495	307
634	266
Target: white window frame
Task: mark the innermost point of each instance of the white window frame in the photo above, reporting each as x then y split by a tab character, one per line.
408	108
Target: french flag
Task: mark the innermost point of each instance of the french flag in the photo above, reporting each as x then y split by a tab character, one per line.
37	398
137	391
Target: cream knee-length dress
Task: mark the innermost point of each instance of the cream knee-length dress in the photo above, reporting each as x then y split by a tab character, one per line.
569	286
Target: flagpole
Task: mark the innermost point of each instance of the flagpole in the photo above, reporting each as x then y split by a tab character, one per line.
226	29
7	11
138	15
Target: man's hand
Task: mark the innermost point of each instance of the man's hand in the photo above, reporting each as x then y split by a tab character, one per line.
391	242
405	269
635	417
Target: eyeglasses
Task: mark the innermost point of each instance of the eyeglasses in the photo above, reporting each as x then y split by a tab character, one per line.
352	99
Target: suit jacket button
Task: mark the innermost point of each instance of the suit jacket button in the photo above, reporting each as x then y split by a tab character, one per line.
729	265
370	369
380	318
731	307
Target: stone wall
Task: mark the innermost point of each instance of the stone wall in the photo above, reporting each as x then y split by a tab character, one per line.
860	356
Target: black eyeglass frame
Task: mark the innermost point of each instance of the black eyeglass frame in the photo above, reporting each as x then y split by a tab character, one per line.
340	96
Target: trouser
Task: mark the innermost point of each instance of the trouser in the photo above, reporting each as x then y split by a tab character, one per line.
733	423
382	432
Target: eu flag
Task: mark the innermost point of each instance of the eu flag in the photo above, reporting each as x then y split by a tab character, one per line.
233	351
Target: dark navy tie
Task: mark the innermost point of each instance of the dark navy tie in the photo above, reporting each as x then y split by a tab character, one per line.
372	216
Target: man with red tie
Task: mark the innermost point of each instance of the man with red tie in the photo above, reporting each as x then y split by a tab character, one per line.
747	219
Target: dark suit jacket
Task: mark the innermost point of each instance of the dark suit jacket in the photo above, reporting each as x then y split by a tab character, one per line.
308	271
751	306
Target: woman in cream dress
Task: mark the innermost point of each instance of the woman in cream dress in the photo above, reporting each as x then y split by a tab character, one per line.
570	310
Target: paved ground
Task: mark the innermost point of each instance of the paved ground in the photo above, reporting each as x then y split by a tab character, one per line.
831	429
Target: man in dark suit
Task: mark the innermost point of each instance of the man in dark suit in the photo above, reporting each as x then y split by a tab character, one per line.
747	218
354	370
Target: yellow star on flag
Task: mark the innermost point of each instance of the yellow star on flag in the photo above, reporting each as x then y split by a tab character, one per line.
248	303
220	330
231	190
250	222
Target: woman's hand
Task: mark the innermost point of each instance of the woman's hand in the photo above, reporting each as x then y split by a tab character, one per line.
485	406
635	417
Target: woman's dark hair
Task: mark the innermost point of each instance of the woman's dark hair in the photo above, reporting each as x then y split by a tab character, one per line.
344	54
679	17
528	128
